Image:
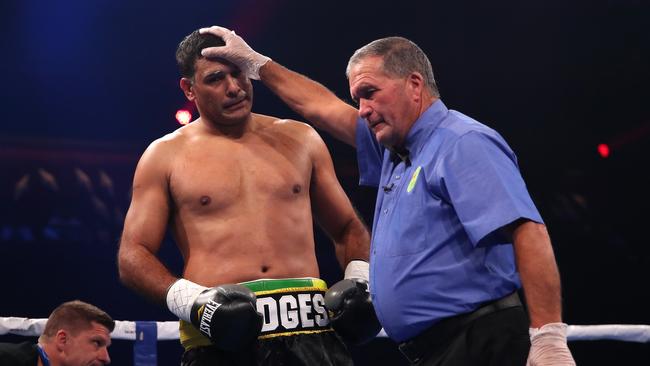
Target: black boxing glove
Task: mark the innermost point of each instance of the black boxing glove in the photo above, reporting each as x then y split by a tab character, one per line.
225	314
350	308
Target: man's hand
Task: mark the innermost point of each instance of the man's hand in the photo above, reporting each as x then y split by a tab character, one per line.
235	51
225	314
548	346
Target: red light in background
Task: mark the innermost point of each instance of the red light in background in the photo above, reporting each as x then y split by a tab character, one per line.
183	116
603	150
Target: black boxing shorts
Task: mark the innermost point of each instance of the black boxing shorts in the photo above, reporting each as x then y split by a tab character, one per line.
295	331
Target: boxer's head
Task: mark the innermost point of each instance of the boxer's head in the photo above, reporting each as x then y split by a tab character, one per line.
222	93
189	50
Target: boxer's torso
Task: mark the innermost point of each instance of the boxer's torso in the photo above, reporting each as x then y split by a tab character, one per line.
240	207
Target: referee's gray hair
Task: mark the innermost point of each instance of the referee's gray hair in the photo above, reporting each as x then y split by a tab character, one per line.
401	57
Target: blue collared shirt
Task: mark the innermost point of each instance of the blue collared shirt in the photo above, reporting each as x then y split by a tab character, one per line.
436	249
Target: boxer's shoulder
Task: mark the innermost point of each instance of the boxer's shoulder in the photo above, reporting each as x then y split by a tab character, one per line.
275	124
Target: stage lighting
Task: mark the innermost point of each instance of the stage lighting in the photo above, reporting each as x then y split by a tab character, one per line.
183	116
603	150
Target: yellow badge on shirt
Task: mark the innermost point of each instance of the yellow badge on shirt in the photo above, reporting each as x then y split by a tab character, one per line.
414	178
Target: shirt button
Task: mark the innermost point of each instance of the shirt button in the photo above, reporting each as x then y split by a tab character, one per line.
397	177
385	210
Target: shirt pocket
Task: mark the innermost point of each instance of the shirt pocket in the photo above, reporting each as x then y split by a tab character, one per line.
410	228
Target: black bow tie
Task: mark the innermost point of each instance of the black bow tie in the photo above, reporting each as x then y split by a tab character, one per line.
399	154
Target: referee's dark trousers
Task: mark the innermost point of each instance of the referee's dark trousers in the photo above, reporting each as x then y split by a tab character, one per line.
496	334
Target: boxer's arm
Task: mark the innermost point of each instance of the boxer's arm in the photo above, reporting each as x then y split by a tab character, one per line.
144	228
332	208
348	301
310	99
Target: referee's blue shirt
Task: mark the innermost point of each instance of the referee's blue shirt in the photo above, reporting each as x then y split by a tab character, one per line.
436	250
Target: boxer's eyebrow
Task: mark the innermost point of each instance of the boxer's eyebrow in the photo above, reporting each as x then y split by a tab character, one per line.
214	76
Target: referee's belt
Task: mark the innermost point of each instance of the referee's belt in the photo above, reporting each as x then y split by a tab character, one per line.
289	307
421	345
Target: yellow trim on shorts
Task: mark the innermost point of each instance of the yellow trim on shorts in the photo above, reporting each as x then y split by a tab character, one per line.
190	337
273	286
294	333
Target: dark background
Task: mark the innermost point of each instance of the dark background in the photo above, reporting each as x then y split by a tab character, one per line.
87	85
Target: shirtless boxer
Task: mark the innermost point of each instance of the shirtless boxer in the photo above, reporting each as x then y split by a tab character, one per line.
238	190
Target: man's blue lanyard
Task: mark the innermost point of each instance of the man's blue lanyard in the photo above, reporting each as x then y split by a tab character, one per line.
41	352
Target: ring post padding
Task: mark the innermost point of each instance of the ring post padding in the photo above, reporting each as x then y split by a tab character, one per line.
145	347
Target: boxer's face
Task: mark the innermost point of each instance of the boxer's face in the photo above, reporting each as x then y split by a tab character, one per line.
222	93
385	101
87	347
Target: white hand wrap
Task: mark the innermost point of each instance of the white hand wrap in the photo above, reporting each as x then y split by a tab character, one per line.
236	51
180	297
548	346
358	269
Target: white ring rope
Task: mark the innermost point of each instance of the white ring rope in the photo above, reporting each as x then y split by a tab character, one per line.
123	329
168	330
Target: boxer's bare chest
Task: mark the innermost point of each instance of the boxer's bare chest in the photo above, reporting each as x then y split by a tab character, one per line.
214	175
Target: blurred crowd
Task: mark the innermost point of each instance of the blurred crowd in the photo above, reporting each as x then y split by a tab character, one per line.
61	203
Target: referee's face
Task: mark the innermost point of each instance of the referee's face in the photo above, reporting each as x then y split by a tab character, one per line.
385	101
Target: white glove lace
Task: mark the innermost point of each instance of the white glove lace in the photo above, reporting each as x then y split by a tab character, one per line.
357	269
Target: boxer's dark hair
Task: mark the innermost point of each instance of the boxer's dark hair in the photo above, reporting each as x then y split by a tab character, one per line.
189	50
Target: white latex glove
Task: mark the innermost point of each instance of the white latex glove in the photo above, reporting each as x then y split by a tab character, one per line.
548	346
235	51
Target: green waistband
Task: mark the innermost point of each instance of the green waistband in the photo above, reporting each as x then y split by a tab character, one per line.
285	284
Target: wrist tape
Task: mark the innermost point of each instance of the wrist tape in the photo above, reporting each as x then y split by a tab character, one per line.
180	297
